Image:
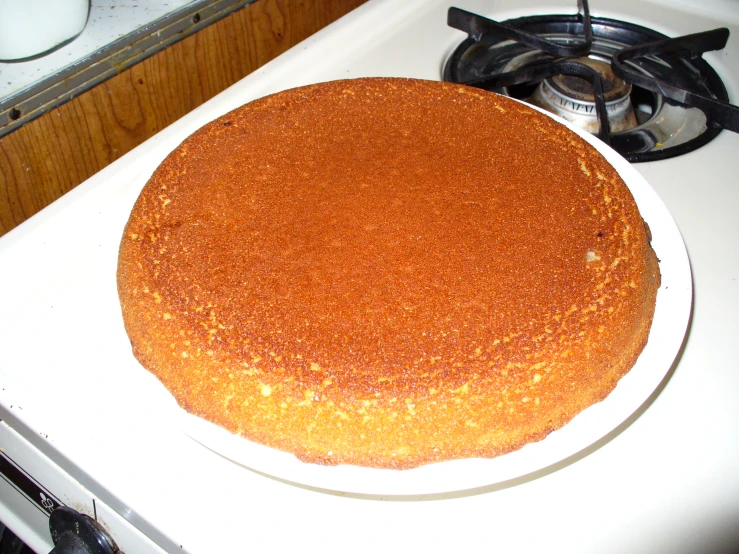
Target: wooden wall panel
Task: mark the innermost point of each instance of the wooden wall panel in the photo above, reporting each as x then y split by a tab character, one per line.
51	155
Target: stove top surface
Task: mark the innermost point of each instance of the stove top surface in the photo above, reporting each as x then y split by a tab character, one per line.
72	389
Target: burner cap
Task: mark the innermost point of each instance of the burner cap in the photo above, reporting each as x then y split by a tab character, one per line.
572	98
579	89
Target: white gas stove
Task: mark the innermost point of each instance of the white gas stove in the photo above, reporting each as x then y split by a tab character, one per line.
84	426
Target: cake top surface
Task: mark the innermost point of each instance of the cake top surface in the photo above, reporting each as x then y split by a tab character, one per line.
340	227
387	272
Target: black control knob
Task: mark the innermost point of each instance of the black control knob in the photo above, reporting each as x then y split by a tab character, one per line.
76	533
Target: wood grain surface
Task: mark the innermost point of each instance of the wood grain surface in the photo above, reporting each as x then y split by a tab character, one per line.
51	155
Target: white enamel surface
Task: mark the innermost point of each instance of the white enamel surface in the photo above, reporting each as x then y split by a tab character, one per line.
665	481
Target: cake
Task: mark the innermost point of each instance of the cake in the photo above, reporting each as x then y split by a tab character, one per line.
387	273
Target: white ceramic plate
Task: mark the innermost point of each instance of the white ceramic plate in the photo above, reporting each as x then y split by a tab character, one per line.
665	339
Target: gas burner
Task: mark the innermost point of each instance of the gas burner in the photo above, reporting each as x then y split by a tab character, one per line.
650	97
573	98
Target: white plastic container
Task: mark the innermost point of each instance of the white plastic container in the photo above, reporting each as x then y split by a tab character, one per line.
30	28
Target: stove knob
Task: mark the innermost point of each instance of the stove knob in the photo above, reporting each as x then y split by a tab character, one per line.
76	533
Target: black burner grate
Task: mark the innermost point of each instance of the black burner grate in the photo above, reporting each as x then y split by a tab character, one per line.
669	79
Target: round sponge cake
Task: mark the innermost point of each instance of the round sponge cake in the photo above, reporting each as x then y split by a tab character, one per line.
387	273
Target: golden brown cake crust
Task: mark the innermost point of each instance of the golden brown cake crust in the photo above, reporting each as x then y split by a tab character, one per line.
387	273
